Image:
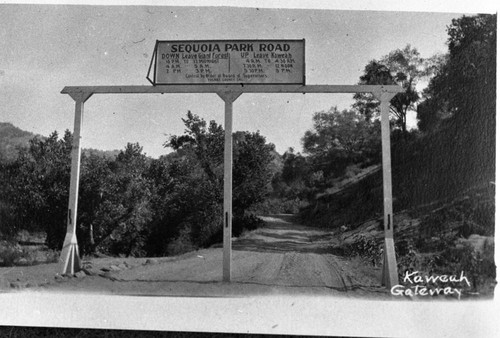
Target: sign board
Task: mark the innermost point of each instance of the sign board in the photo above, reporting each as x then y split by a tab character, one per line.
228	62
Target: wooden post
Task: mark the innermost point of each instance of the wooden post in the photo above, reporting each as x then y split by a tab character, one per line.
390	268
229	98
70	258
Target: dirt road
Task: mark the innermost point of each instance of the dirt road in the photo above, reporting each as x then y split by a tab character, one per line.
281	258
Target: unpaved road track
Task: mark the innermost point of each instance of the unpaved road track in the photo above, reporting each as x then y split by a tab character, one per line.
281	258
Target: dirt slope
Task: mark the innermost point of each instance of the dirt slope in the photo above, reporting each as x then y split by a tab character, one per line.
281	258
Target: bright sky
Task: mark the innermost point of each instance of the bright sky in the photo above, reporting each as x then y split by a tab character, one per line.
46	47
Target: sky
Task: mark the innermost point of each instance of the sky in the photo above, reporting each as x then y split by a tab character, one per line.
45	47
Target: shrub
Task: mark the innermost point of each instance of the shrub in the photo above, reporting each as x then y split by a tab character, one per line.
479	267
52	256
10	253
279	206
246	222
181	244
364	247
407	257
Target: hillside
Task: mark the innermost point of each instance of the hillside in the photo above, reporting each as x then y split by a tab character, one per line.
446	228
11	139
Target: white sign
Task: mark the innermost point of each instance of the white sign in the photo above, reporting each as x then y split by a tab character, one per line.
229	62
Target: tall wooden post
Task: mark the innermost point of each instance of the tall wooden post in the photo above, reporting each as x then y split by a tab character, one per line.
70	257
229	98
390	268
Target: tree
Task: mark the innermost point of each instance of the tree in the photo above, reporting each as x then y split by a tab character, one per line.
468	72
404	67
252	171
207	144
458	116
341	138
296	176
113	198
198	195
295	167
434	106
251	164
375	74
465	78
39	192
122	222
96	189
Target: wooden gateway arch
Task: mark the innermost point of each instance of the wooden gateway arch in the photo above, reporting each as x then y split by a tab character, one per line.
70	258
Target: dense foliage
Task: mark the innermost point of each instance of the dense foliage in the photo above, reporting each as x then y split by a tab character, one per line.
443	174
458	153
36	187
131	204
454	151
340	139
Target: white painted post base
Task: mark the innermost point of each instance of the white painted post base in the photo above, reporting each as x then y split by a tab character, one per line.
389	271
70	256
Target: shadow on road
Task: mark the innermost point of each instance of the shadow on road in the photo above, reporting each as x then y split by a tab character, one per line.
279	247
282	234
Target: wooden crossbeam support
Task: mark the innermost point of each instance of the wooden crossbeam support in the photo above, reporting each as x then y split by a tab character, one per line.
249	88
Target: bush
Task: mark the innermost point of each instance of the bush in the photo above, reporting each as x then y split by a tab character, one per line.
52	256
10	253
246	222
9	223
364	247
240	224
406	257
279	206
479	267
181	244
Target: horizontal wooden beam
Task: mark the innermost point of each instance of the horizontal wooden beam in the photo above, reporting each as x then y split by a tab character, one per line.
249	88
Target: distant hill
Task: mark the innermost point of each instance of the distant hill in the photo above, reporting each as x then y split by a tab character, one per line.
11	140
